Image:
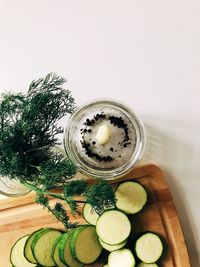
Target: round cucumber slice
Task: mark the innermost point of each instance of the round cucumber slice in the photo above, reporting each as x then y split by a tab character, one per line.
55	253
42	246
111	248
149	248
90	214
121	258
113	227
85	246
17	258
142	264
131	197
64	251
28	254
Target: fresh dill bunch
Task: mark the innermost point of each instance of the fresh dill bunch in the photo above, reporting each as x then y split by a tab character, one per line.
29	129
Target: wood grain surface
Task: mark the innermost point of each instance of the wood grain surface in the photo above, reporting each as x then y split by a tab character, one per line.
20	216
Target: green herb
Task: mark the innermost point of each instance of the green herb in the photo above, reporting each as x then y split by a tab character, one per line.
100	196
29	129
58	211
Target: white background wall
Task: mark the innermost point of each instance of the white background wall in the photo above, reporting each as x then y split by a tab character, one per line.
144	53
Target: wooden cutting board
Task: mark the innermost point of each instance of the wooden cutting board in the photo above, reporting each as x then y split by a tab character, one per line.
20	216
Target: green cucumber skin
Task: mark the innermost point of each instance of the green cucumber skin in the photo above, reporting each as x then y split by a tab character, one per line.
127	215
13	247
123	244
146	190
62	243
131	181
151	232
73	240
66	241
83	214
34	233
37	237
54	247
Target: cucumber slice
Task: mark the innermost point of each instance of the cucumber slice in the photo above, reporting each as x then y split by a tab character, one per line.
17	258
106	265
55	253
131	197
121	258
111	248
42	246
142	264
28	254
85	246
90	214
64	251
149	248
113	227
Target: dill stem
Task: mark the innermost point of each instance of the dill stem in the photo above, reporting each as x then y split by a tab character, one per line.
37	190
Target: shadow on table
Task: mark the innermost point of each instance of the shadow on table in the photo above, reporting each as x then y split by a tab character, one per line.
176	157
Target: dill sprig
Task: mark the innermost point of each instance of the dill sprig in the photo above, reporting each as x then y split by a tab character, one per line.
100	194
57	210
29	129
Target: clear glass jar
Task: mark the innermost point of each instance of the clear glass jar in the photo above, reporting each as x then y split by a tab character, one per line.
120	165
12	188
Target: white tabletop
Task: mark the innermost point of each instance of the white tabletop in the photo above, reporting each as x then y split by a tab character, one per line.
143	53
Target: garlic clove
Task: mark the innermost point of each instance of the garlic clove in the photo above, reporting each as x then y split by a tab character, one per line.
103	134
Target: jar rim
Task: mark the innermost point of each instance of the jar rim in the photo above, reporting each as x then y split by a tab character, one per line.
101	173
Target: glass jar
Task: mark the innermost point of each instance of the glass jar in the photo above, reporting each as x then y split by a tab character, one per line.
123	121
12	188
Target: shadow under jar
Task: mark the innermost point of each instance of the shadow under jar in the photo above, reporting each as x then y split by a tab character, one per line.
104	139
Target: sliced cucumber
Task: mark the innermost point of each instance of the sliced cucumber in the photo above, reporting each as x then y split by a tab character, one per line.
121	258
42	246
113	227
106	265
17	258
131	197
55	253
149	248
85	246
142	264
90	214
111	248
64	251
28	254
